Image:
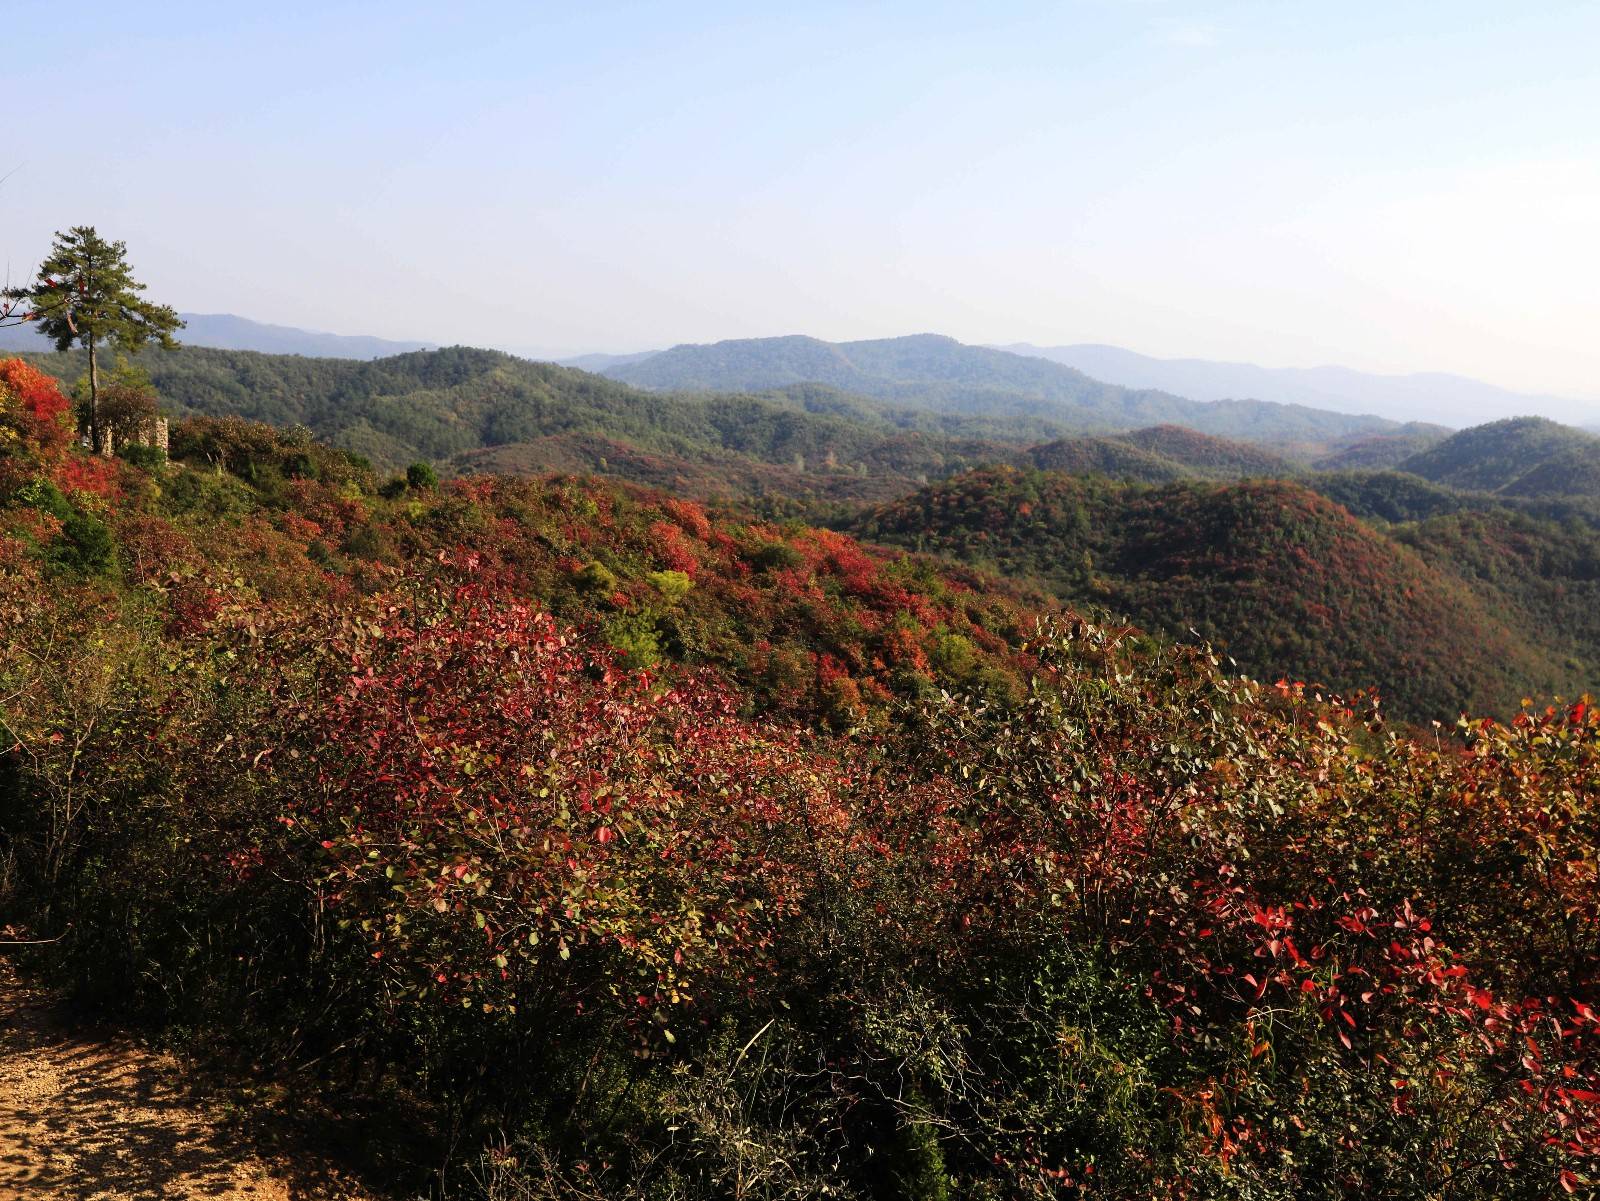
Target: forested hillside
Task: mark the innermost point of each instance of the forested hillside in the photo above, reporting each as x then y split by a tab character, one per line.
571	840
1283	580
1522	457
929	371
472	408
1158	454
1376	452
442	404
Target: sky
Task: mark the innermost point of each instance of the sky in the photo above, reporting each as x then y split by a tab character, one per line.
1393	186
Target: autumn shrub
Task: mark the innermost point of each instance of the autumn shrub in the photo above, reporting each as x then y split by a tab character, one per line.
1090	917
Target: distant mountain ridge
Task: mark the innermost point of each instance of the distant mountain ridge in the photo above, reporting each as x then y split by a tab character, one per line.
1451	400
888	368
601	363
941	374
224	331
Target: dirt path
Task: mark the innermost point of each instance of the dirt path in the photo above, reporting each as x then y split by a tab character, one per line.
86	1118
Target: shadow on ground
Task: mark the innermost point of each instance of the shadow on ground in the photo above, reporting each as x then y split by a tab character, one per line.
92	1118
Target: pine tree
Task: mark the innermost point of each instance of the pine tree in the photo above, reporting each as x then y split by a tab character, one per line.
85	295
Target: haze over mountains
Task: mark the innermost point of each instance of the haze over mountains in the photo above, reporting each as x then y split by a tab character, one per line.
224	331
943	375
864	368
1450	400
1432	397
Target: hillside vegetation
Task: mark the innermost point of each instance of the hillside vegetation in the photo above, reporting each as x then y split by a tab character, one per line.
454	406
585	842
486	412
1521	457
1283	580
1158	454
930	371
1377	452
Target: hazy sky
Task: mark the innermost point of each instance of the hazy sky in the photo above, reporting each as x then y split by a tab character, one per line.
1394	186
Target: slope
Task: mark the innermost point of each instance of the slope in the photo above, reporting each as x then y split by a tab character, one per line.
940	373
588	906
1208	455
450	405
1523	456
1379	451
1155	455
1284	580
1535	573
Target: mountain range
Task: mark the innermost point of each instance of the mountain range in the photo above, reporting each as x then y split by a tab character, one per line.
940	374
1433	397
483	411
746	364
225	331
1452	400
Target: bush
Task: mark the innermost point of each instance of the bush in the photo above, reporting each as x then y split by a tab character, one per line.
635	639
421	477
1134	929
596	579
672	585
85	544
777	556
151	458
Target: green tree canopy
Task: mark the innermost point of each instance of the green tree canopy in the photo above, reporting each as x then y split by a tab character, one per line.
85	295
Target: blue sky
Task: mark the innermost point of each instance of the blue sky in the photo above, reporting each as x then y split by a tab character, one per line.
1393	186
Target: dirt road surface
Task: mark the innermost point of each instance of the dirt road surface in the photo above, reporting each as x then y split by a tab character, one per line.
95	1117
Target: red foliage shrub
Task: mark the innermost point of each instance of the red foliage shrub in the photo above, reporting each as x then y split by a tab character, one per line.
671	550
38	394
690	516
495	801
151	548
88	474
192	605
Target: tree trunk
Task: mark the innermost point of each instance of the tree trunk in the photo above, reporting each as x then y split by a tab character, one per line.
94	403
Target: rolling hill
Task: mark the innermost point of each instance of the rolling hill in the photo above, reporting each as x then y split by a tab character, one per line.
1538	575
1283	579
1157	454
1526	457
478	411
1380	451
1111	457
1206	455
